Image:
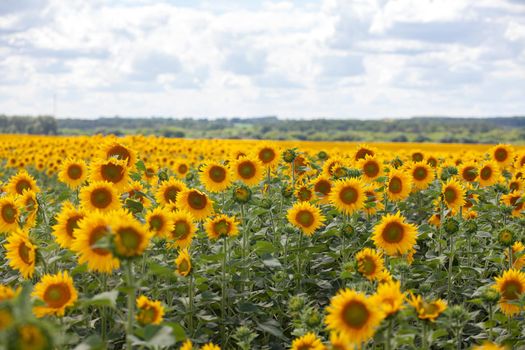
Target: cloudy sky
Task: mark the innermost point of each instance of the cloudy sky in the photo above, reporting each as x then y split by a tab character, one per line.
307	58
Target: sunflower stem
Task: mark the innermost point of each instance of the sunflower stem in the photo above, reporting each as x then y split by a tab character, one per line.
388	334
190	304
223	289
299	262
103	310
510	258
425	336
490	322
131	304
450	261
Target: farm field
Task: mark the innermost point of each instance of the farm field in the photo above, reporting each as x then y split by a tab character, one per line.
144	242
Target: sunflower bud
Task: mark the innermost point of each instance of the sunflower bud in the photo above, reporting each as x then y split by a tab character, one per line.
471	227
289	155
353	173
490	295
266	203
348	230
242	194
451	226
322	155
287	191
506	237
189	176
312	318
296	303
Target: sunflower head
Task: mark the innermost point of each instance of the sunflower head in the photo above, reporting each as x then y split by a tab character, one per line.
9	214
398	186
30	335
394	235
390	297
21	252
67	222
248	170
306	217
511	286
130	237
308	341
99	196
221	226
195	202
168	191
348	195
73	172
149	311
183	263
21	182
119	151
215	177
56	292
427	310
453	194
110	170
369	263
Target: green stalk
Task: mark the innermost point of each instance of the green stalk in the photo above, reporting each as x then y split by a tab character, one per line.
190	304
425	336
388	334
450	261
103	310
223	290
299	262
490	322
510	258
131	304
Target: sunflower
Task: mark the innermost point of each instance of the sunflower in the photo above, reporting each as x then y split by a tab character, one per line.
73	172
111	170
330	166
136	192
309	341
56	292
354	315
394	236
514	200
369	263
183	263
7	293
370	168
9	214
487	345
20	182
181	168
488	174
187	345
183	229
30	336
248	170
374	199
159	222
221	226
384	276
516	185
348	195
503	155
99	196
149	311
67	222
305	216
337	342
518	259
390	297
364	150
510	286
131	238
210	346
468	171
398	186
215	177
196	203
427	310
118	151
168	191
453	194
268	154
91	229
29	205
21	253
322	187
304	193
6	317
422	175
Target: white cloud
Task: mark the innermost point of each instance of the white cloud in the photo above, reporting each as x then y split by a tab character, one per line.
333	58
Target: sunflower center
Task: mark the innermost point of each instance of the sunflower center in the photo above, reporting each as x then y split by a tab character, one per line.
156	222
22	185
511	290
217	174
9	213
246	170
355	314
393	232
181	230
469	173
368	266
24	252
514	186
485	173
56	295
501	154
32	338
323	187
183	168
304	194
101	198
305	218
371	169
148	315
362	153
420	173
450	195
197	200
417	157
221	227
395	185
170	194
430	308
130	238
183	266
348	195
72	224
120	152
150	172
112	172
266	155
74	171
97	234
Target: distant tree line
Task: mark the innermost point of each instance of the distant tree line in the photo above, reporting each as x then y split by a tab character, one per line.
41	125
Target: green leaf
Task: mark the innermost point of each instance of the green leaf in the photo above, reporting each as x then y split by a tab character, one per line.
105	299
271	262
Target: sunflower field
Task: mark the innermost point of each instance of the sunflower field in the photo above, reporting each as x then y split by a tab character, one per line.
153	243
